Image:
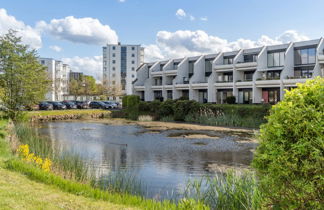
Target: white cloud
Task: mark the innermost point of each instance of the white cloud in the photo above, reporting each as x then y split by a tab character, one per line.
192	18
189	43
88	65
121	1
181	13
29	35
55	48
80	30
204	18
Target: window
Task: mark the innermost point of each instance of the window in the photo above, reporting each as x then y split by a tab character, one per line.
133	48
113	75
113	61
175	65
191	68
304	72
250	58
248	76
42	62
276	59
133	75
305	56
113	55
169	94
105	69
208	66
271	75
114	48
228	59
133	69
105	63
133	62
133	55
113	68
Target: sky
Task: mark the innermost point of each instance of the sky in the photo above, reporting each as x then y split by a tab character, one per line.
75	31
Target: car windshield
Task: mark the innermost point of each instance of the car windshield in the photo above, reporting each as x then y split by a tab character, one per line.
101	103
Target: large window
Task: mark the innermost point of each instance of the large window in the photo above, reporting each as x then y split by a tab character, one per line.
169	94
228	59
208	66
305	56
175	65
191	68
248	75
123	66
271	95
276	59
250	58
271	75
245	96
304	72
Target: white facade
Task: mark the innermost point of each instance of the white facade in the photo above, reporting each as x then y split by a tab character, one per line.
58	73
258	75
119	66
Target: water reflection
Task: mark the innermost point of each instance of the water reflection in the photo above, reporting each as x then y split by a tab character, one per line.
164	164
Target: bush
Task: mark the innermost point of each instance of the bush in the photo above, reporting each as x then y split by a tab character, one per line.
167	108
131	106
230	100
183	108
289	160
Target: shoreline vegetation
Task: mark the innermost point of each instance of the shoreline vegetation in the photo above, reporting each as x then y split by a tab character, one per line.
233	190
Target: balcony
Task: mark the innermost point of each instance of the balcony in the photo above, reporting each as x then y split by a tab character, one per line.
244	83
321	58
268	82
292	81
171	72
224	83
224	67
241	66
156	73
139	87
199	84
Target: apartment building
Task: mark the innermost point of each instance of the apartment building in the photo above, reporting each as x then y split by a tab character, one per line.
119	67
258	75
58	73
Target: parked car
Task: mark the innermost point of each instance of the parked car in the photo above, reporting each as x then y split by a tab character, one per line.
98	105
57	105
45	106
111	104
69	104
82	104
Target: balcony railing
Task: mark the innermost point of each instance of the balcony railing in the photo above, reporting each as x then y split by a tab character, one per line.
224	81
268	78
299	77
244	80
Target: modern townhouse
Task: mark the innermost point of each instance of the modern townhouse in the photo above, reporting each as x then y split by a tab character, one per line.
258	75
58	73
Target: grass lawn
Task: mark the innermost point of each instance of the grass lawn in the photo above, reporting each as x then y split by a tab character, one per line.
19	192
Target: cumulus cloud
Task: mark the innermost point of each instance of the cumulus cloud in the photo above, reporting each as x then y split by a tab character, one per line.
29	34
88	65
190	43
80	30
181	14
204	18
55	48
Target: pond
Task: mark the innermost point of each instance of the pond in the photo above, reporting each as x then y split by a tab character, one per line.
163	160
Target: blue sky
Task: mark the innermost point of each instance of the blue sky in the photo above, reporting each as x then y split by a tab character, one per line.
204	26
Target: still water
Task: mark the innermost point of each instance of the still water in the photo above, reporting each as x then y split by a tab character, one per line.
162	163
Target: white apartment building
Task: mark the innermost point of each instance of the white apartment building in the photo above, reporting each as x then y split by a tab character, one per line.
59	75
119	67
258	75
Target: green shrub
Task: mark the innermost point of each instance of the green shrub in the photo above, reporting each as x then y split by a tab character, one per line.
289	159
132	106
167	108
183	108
230	100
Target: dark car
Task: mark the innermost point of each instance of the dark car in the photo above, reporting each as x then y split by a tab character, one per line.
45	106
57	105
111	105
98	105
69	104
82	104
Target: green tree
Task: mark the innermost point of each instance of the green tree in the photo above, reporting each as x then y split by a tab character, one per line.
75	88
290	158
23	80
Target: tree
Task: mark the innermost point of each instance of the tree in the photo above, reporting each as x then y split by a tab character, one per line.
23	80
75	88
290	158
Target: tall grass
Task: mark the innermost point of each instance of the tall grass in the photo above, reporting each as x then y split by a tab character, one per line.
232	120
121	182
227	191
